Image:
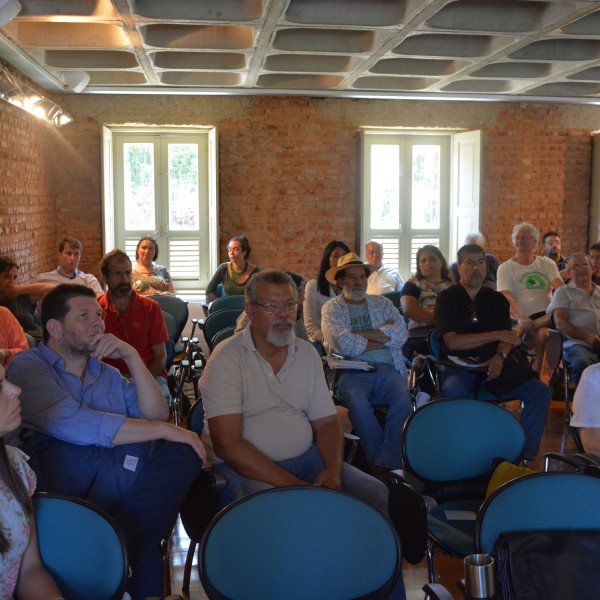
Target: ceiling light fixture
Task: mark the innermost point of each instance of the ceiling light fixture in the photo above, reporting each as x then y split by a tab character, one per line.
19	94
9	9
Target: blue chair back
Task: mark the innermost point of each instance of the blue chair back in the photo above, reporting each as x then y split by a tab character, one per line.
175	306
394	297
219	320
458	439
541	502
81	546
297	543
221	336
225	302
195	417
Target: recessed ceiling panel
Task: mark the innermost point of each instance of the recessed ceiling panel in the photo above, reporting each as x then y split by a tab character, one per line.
448	45
325	40
116	78
566	89
214	61
198	36
298	82
511	16
201	79
356	13
588	25
417	66
67	35
560	49
90	59
317	63
394	83
492	86
514	70
71	8
200	10
592	74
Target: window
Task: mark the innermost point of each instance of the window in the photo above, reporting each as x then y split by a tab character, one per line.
408	199
163	184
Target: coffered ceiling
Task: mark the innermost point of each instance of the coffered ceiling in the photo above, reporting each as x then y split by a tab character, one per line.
496	49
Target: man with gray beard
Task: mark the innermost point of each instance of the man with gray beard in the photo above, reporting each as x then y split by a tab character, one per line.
270	419
365	327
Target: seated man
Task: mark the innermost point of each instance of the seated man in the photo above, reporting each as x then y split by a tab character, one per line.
299	328
270	420
551	246
364	327
133	318
586	409
69	255
474	321
20	299
93	434
491	263
576	310
383	278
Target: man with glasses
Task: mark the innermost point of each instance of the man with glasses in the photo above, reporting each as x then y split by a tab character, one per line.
270	418
576	309
473	322
365	327
552	246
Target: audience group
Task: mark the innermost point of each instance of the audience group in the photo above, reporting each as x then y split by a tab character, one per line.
94	419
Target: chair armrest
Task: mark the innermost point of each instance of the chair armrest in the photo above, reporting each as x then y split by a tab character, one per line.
573	460
401	476
437	591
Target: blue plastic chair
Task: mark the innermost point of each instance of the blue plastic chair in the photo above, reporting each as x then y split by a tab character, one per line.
225	302
537	503
81	546
217	321
297	543
222	336
450	449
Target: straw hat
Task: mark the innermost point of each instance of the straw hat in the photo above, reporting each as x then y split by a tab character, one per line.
348	260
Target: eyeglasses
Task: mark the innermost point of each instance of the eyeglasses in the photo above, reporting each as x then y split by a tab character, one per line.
581	267
272	308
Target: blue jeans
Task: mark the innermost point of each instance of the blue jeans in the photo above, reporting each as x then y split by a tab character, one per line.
534	395
359	392
307	467
580	357
144	502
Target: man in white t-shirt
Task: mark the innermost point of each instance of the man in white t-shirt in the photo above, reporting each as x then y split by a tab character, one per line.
527	282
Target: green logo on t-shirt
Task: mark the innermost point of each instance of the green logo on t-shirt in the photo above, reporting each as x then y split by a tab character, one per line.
535	282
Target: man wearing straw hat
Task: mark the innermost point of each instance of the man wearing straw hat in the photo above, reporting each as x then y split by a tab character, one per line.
365	327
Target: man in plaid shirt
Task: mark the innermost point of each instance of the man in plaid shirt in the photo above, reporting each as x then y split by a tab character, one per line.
360	326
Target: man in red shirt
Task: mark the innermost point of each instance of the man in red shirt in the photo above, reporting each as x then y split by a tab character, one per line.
135	319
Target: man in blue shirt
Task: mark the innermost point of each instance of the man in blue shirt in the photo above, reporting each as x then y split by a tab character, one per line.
95	435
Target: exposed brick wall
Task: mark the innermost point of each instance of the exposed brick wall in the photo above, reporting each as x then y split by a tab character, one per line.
536	170
27	200
288	169
287	178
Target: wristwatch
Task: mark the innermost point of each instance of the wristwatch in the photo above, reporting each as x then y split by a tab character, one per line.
504	356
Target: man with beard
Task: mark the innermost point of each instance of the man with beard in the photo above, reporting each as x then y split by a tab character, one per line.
94	435
132	318
474	321
270	418
552	247
365	327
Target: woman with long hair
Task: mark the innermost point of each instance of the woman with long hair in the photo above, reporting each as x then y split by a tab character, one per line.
147	276
21	571
233	275
319	290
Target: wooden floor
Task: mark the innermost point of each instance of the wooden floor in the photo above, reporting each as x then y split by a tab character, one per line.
556	438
